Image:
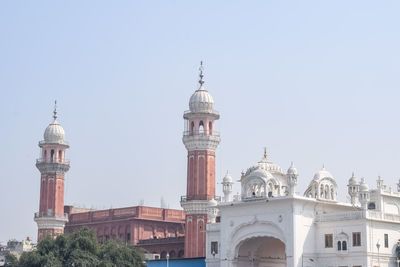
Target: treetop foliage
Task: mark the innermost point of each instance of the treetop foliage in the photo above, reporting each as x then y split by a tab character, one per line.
80	249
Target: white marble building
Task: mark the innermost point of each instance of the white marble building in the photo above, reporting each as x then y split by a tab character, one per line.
270	225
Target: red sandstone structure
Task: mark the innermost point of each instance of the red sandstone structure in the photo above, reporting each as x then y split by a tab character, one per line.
157	230
201	141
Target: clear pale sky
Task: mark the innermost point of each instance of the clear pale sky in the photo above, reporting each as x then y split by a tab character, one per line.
316	82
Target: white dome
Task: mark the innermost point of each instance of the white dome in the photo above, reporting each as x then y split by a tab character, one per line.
267	166
54	133
201	101
322	174
227	179
292	170
353	180
363	186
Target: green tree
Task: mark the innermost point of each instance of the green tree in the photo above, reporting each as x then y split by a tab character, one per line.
10	260
80	249
116	254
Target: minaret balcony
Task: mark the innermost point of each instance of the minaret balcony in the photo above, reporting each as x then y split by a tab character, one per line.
41	215
189	114
55	165
203	133
201	140
200	197
59	143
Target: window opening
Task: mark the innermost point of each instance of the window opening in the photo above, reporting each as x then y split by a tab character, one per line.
386	240
214	247
328	240
356	239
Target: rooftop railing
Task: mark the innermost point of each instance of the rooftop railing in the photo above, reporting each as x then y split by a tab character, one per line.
199	197
60	161
204	133
167	240
43	142
49	215
213	112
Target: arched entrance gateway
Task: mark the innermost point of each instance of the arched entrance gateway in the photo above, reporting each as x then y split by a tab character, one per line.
264	251
258	244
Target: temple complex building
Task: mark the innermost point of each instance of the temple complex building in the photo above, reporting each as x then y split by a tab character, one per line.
269	223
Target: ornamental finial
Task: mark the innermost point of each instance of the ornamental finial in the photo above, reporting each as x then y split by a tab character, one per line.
201	82
55	110
265	153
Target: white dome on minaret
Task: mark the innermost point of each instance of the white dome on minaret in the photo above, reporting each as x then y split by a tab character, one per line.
292	169
363	186
201	101
227	178
54	133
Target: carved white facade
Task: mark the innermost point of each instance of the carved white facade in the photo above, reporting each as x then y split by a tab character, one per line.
269	225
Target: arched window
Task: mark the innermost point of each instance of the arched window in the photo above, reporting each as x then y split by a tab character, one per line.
270	189
172	254
52	155
45	155
210	128
371	205
326	191
192	128
163	255
180	254
201	127
339	245
322	191
344	245
60	156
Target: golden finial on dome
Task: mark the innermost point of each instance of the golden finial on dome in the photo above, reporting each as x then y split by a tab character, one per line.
265	153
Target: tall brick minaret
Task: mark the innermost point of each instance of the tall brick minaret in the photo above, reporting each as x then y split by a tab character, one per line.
201	141
52	166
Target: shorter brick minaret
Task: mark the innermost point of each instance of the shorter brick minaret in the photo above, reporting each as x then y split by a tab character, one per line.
52	166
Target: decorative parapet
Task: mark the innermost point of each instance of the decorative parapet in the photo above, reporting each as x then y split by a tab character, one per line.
344	216
139	212
50	222
201	141
57	167
195	206
188	114
62	143
357	215
200	197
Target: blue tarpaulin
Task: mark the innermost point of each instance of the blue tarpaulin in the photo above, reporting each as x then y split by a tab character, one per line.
198	262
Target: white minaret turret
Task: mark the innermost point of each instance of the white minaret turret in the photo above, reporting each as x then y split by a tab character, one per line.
379	184
212	210
227	183
353	189
363	194
292	179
